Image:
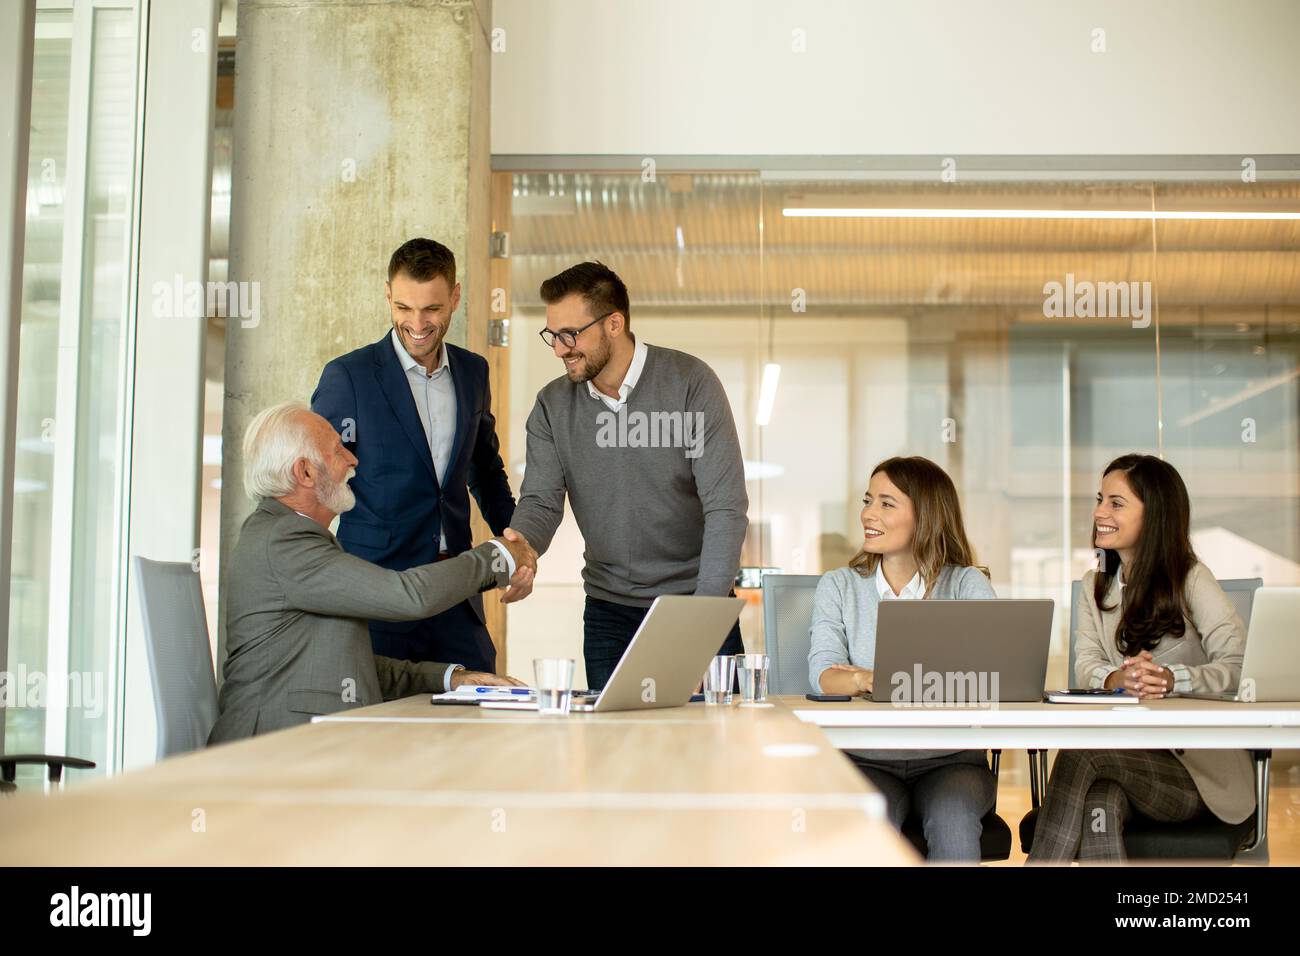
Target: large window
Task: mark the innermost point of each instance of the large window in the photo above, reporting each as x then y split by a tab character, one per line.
65	582
941	335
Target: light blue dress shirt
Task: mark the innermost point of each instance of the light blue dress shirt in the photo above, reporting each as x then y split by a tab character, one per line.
435	402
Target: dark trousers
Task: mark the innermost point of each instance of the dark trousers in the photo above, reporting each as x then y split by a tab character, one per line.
951	794
1091	792
456	636
607	631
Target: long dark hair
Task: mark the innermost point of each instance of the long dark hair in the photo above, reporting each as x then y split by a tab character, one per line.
940	536
1152	599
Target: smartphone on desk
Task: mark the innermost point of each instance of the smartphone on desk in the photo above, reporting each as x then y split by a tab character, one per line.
829	698
1090	695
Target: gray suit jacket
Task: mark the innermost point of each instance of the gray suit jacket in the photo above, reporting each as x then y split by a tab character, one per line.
296	633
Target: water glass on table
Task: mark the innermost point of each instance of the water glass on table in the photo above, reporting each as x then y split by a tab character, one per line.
752	670
553	679
719	680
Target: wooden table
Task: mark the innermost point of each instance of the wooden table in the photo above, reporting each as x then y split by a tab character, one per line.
408	783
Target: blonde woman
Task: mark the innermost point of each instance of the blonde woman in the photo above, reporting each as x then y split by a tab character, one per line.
914	547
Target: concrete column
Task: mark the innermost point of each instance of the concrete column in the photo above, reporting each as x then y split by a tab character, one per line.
358	124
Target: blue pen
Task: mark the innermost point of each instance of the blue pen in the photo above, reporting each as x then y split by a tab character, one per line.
503	690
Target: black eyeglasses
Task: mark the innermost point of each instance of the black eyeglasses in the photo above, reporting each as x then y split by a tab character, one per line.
569	337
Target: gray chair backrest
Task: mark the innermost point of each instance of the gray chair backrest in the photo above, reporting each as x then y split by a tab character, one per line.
1076	590
180	659
1240	591
787	616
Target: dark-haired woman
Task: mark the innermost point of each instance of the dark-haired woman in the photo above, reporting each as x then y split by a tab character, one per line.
914	546
1154	621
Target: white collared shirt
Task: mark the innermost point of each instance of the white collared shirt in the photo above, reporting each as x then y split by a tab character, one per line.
435	402
914	590
629	380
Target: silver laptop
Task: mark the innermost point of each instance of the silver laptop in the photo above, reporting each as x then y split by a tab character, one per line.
961	653
668	655
1270	669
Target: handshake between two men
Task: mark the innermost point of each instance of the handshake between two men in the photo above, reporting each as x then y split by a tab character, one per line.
313	481
298	605
522	566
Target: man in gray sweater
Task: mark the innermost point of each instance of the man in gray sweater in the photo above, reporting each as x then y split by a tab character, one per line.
642	441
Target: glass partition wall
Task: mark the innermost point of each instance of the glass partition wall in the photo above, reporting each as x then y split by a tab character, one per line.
63	656
689	248
1020	334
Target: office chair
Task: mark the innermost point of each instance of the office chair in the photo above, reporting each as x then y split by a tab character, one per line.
54	764
180	659
787	617
1204	838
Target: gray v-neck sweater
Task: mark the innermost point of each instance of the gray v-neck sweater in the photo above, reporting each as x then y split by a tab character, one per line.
657	488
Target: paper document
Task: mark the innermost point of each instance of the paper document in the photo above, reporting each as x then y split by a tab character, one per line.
474	693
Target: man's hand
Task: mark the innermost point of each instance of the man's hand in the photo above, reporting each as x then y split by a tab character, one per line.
521	583
519	548
482	677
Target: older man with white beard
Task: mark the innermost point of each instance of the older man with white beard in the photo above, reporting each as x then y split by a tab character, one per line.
297	604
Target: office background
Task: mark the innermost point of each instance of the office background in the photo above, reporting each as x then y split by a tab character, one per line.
670	148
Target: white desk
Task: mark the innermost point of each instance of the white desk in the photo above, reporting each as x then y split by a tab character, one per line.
1159	724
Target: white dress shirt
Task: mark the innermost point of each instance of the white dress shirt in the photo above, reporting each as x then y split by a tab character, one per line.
629	380
914	590
435	401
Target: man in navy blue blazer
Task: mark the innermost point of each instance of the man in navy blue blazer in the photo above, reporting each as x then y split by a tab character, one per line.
417	413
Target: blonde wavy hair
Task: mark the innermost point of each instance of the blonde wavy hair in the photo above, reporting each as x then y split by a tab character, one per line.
939	538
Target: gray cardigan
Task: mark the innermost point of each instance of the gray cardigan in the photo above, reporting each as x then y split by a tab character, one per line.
843	627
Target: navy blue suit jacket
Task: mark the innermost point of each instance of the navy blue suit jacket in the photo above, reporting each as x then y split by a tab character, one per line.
402	507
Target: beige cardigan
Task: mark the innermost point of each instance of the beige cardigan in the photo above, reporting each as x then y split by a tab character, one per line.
1206	659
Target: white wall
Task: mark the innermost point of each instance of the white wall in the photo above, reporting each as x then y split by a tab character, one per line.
933	77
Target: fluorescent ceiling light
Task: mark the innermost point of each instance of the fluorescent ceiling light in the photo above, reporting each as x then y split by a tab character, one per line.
871	213
767	394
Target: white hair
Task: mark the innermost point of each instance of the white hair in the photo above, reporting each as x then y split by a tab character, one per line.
273	443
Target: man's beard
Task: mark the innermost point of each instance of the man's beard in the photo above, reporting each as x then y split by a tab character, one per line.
429	346
593	363
333	496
